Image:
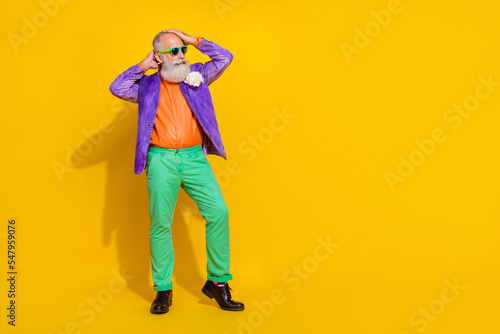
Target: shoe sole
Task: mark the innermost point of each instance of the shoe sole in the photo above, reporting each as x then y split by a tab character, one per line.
211	296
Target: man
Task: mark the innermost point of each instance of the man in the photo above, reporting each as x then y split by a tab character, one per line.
177	128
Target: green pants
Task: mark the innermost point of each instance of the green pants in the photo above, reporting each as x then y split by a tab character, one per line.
167	170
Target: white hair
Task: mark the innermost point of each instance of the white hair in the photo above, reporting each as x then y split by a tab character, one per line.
157	46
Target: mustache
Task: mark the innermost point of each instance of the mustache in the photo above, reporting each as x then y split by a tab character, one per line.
180	61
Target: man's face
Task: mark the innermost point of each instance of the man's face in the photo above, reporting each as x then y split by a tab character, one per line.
173	68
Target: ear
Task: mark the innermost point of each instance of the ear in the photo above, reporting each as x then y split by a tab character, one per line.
158	58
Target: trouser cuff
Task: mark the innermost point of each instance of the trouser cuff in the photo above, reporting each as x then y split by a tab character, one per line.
220	279
163	287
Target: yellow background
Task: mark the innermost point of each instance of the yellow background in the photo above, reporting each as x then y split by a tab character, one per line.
319	176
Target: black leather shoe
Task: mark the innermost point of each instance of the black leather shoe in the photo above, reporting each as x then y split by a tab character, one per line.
162	302
222	296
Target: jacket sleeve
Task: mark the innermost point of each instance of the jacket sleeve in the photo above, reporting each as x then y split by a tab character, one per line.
126	85
220	60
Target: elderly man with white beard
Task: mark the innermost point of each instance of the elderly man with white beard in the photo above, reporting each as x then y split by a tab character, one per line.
177	128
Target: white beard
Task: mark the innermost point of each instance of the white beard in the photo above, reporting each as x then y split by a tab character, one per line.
173	72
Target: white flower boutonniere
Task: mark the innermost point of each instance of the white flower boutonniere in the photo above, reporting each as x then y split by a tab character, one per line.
194	79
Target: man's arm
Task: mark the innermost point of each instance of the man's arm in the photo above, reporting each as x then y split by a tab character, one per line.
220	57
126	85
220	60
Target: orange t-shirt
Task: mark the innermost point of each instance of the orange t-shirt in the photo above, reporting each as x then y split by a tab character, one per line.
175	125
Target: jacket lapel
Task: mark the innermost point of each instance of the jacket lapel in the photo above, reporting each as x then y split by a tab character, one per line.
156	89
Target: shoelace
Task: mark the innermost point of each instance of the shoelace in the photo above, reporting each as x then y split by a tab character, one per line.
227	290
163	294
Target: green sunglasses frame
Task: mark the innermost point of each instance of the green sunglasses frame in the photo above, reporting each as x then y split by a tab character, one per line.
180	49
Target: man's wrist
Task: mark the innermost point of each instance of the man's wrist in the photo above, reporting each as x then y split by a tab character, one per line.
142	66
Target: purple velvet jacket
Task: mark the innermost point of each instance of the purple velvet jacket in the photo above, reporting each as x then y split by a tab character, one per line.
132	85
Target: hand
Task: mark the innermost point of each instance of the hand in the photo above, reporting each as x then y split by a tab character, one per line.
150	61
185	38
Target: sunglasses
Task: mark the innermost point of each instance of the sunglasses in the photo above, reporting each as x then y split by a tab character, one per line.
175	51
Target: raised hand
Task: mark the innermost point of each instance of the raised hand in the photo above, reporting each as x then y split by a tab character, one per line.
150	61
185	38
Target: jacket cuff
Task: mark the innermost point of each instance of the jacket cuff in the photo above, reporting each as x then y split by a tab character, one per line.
198	41
141	66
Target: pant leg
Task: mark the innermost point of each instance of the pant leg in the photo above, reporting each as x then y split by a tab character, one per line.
163	189
199	182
